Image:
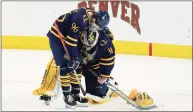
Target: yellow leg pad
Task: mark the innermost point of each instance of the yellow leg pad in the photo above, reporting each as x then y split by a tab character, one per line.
49	79
92	99
101	102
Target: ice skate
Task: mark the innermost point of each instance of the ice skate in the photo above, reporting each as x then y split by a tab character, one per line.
81	101
70	101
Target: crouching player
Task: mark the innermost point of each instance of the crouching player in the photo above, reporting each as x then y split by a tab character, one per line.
99	53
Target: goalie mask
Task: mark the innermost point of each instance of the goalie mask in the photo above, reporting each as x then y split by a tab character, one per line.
89	38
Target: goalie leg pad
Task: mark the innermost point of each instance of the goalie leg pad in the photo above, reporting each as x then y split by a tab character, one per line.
49	79
92	99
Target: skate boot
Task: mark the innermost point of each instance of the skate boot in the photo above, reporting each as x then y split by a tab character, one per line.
81	101
70	101
46	99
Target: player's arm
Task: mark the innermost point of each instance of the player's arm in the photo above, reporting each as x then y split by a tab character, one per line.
106	63
71	40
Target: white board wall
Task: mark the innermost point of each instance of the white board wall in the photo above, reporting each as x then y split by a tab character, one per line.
167	22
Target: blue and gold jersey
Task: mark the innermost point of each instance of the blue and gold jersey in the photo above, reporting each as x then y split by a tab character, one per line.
107	60
70	25
104	59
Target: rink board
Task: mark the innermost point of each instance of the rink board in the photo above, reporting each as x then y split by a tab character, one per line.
122	47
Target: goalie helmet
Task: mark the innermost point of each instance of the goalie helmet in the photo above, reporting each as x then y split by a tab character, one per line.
89	38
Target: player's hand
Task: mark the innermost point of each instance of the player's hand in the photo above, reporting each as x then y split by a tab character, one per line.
102	80
74	63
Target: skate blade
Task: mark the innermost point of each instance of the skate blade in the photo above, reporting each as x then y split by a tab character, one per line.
82	104
70	107
46	103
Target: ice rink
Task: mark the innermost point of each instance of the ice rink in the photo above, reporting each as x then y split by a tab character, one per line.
168	81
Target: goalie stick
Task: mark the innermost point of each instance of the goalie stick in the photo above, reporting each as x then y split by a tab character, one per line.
124	96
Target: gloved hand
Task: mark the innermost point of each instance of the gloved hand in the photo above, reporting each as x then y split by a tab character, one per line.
102	80
74	63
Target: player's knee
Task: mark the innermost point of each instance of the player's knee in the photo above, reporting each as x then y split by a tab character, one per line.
101	90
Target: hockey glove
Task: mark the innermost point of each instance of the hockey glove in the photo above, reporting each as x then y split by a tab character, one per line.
74	63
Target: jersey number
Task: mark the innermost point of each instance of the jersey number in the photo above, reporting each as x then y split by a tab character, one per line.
74	28
110	50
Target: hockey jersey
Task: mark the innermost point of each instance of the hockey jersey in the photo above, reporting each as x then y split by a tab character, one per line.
103	54
70	25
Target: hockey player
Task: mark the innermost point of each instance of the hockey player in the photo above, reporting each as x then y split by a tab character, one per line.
68	28
99	53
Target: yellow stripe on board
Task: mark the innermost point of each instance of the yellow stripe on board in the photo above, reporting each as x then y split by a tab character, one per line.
127	47
170	50
121	47
25	42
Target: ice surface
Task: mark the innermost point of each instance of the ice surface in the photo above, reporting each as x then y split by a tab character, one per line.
168	81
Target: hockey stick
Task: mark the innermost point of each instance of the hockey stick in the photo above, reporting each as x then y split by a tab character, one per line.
124	96
67	53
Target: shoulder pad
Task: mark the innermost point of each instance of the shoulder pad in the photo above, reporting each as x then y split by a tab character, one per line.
108	33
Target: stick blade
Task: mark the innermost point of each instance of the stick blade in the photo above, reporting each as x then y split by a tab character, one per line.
147	107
